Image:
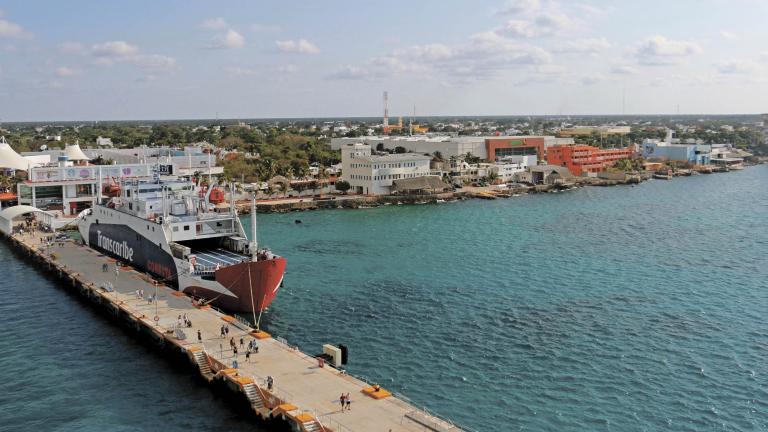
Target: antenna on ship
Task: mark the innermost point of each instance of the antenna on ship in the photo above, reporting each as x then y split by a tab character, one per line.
254	243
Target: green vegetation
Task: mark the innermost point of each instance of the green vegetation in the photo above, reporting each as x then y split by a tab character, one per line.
343	186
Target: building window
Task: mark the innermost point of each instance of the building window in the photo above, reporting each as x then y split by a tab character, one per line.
186	227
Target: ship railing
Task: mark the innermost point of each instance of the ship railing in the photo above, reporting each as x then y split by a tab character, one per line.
330	422
414	410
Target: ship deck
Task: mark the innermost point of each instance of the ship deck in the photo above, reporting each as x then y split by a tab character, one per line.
307	392
218	257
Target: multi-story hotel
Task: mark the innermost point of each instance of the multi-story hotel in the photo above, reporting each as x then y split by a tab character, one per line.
584	159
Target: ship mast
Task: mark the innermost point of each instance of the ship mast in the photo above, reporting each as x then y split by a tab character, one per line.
254	243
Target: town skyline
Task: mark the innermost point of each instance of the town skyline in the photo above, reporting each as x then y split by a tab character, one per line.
485	58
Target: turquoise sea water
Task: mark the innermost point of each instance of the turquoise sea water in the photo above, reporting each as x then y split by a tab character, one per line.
623	309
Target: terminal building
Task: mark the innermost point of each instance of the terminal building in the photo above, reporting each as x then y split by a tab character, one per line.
63	182
372	174
490	148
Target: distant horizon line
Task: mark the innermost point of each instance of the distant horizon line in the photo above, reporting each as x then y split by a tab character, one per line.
190	119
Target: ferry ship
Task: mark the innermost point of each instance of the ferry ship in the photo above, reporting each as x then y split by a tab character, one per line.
168	227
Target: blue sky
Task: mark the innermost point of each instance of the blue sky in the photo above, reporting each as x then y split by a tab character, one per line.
79	60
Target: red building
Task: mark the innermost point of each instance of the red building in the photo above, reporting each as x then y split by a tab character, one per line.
580	159
497	148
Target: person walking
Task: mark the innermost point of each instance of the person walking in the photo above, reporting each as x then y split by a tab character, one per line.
226	329
199	336
270	383
342	401
349	402
222	331
248	356
242	342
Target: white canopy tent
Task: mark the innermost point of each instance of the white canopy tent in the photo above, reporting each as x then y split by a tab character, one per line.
9	159
74	153
9	214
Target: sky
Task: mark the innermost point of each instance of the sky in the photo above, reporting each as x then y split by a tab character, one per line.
128	60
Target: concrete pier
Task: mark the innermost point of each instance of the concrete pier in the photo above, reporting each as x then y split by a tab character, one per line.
303	394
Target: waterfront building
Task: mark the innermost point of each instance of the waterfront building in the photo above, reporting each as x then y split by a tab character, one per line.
584	160
368	173
510	166
70	188
693	152
188	160
489	148
545	174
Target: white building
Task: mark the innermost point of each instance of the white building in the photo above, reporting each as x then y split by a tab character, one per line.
70	188
373	174
448	146
512	165
104	142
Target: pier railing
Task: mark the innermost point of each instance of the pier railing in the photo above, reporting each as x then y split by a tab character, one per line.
426	419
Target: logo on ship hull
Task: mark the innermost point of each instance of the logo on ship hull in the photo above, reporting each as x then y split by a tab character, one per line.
120	249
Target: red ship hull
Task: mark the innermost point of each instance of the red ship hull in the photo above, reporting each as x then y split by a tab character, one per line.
254	285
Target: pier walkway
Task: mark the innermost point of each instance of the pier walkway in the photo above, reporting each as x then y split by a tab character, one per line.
303	393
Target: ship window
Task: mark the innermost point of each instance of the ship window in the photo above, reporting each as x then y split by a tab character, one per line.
186	227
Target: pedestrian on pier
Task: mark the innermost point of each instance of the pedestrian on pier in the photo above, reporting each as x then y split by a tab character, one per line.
241	342
248	356
349	402
226	329
222	331
199	336
270	382
342	400
234	350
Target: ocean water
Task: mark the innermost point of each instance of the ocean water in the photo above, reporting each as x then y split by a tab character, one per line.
620	309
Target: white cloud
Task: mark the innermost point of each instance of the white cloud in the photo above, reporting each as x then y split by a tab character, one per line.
287	69
659	51
109	53
72	48
592	79
545	23
12	30
738	67
764	56
354	73
214	23
63	71
118	49
239	71
513	7
484	55
154	61
264	28
728	35
301	46
584	46
624	70
231	39
146	78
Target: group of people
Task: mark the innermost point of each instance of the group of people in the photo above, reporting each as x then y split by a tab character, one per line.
346	402
183	321
252	347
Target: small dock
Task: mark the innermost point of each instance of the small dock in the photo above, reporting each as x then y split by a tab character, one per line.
304	394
